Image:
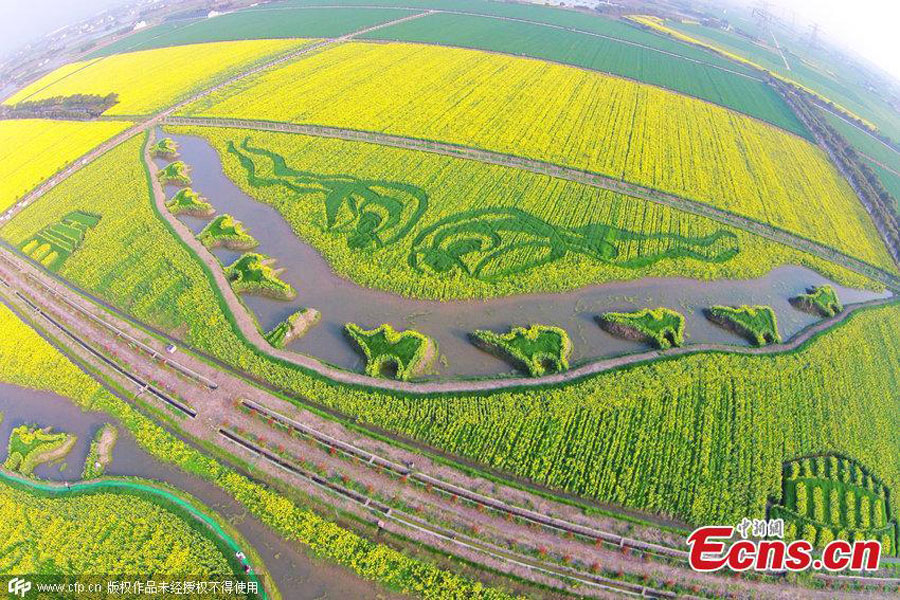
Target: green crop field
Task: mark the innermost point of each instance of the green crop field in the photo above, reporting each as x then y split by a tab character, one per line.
830	78
742	93
538	349
579	20
102	533
566	116
890	180
248	25
882	159
865	143
723	438
547	234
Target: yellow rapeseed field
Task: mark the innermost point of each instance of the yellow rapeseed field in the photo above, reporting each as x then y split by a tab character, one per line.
150	80
567	116
31	150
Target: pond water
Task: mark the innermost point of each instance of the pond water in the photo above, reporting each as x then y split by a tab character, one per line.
296	575
341	301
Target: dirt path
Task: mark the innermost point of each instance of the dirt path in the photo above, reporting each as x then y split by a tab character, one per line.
248	328
217	408
553	170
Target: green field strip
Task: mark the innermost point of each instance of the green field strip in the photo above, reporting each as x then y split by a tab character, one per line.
577	19
124	486
246	25
729	89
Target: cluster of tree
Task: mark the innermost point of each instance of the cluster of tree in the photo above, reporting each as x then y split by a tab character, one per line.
76	106
865	182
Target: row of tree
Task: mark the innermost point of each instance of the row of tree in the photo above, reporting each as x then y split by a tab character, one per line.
76	106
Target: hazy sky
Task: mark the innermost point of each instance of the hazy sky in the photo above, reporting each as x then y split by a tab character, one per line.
871	27
24	20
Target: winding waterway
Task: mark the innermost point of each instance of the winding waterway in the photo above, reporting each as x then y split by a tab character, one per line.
341	300
296	575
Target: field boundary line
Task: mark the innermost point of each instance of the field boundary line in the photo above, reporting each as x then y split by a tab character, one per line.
247	326
540	167
155	119
181	499
450	11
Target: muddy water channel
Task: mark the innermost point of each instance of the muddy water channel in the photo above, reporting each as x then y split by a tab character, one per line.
342	301
296	575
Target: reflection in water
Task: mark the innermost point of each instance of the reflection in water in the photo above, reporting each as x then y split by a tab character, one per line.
342	301
295	574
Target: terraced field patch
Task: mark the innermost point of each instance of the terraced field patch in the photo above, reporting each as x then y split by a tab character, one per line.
176	173
662	327
822	300
254	274
53	244
571	117
756	323
164	148
151	80
746	94
831	496
32	150
188	202
227	232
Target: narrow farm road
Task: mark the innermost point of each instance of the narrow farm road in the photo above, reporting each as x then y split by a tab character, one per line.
596	180
249	330
154	120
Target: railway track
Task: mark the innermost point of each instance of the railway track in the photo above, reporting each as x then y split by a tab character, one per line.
142	385
450	489
383	511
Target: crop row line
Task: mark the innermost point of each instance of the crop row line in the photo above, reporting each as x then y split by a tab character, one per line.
492	503
592	179
382	510
137	381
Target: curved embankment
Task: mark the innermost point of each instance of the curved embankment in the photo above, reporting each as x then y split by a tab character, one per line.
114	485
249	330
539	167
